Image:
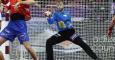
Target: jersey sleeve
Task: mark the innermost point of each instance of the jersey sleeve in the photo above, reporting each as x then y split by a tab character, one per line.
52	19
52	22
69	16
69	22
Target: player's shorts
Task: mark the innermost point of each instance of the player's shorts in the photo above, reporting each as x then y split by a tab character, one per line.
15	29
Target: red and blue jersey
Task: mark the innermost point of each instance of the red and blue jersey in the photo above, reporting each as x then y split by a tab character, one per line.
21	6
23	9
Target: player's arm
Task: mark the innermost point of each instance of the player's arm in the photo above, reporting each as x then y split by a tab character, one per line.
112	24
51	21
28	2
1	7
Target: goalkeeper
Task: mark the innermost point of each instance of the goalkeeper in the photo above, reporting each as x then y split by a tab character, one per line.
66	31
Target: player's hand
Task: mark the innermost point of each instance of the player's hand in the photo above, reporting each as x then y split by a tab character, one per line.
109	32
5	8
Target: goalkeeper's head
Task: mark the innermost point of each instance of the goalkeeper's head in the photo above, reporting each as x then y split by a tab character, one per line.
60	5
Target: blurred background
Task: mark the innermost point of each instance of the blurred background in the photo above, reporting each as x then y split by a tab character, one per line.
90	18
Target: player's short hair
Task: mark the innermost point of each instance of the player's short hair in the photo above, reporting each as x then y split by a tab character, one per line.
58	2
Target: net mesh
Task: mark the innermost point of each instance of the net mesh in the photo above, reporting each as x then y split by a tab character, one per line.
90	19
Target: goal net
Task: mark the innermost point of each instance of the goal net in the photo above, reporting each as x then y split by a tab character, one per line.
90	18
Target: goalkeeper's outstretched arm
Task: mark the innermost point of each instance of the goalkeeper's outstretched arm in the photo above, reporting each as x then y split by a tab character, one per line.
51	19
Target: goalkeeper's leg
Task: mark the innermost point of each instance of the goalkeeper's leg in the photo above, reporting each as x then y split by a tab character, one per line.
49	45
85	47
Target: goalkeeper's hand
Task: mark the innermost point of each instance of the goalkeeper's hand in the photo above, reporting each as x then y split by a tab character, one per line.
48	13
